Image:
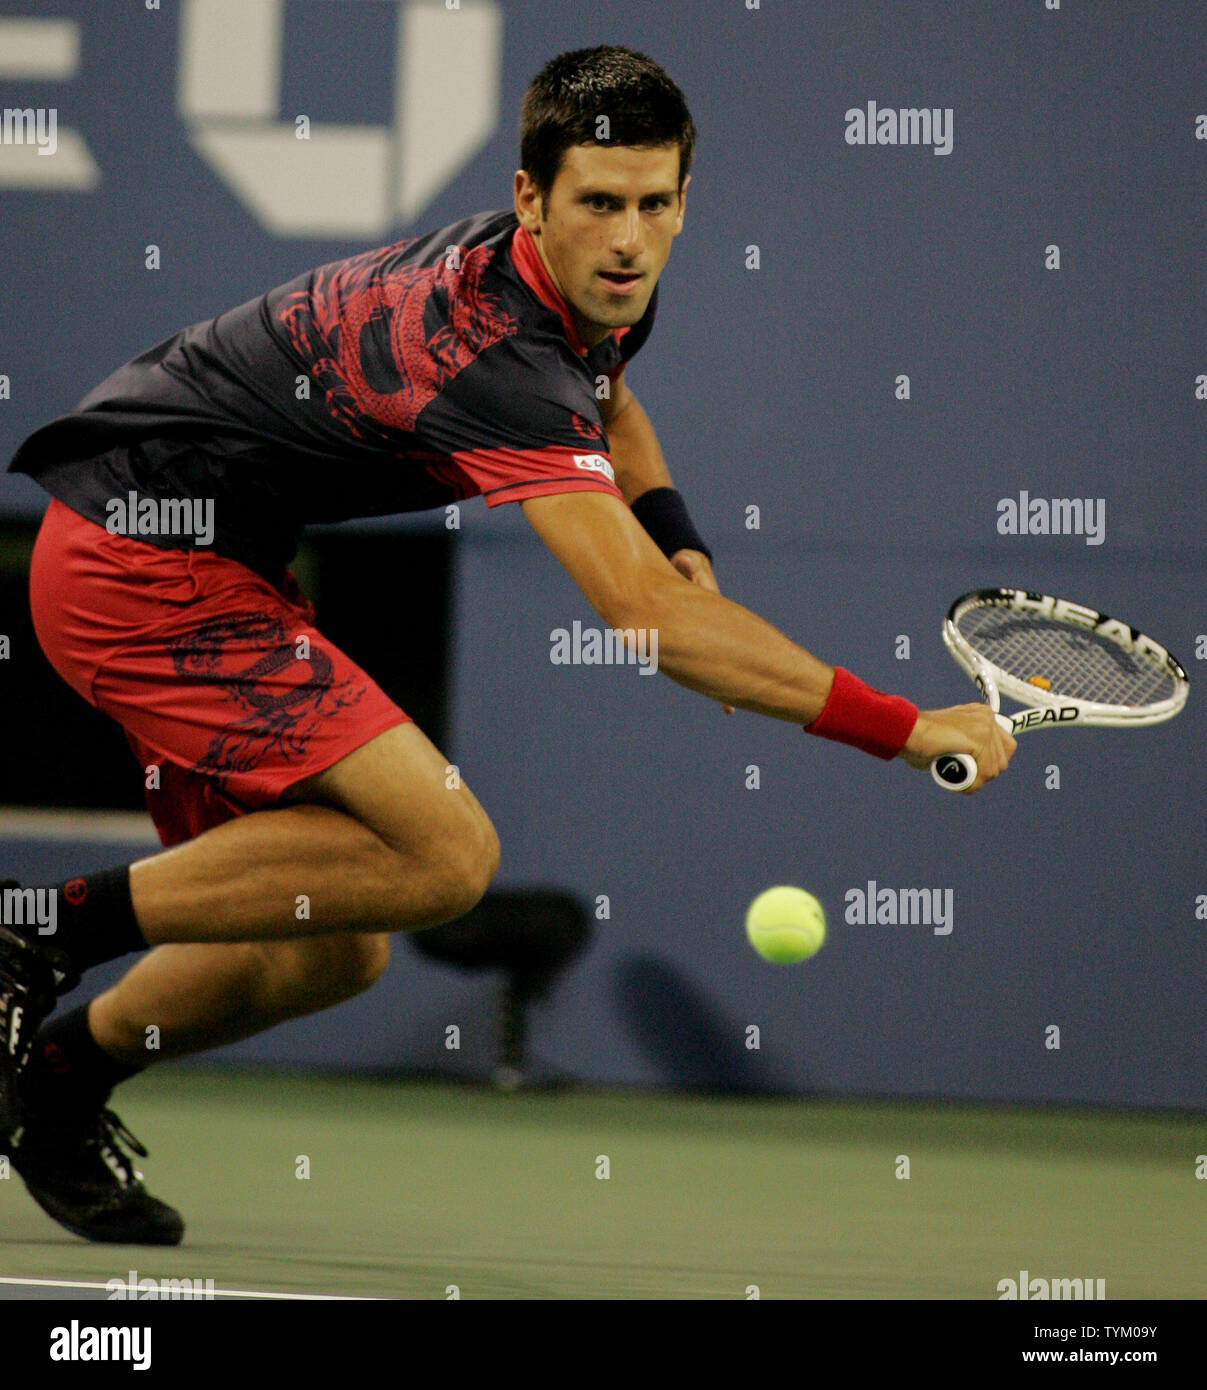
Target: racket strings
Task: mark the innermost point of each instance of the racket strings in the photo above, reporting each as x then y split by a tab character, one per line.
1065	661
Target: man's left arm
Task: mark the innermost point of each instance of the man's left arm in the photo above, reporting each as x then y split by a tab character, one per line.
639	467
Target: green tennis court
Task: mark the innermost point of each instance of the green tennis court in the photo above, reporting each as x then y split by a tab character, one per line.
415	1187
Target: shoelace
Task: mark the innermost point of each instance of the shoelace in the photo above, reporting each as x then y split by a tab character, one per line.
15	1039
111	1131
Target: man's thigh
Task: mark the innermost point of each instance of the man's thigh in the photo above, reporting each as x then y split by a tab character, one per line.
403	788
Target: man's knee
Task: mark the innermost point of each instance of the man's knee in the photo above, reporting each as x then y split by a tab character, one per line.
434	851
330	968
363	960
463	867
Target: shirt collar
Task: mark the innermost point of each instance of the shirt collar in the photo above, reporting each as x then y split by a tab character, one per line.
532	271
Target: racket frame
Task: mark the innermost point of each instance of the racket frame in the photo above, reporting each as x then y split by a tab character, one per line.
957	771
1056	711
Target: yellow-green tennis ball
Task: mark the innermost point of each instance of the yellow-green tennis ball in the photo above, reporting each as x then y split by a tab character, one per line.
786	925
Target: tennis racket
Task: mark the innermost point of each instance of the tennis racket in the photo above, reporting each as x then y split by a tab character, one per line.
1068	664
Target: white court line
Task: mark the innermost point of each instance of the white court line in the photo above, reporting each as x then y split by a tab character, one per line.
218	1293
87	827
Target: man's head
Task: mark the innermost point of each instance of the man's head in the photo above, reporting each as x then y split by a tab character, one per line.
606	143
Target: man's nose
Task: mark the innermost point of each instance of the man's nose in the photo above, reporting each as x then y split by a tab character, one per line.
627	239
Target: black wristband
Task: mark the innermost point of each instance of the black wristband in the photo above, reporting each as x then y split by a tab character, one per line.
663	513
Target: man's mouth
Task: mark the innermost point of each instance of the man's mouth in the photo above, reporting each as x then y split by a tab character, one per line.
621	281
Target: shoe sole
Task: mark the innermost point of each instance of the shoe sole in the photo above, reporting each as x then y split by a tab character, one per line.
106	1238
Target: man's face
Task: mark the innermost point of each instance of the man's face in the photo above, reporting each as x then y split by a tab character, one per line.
606	229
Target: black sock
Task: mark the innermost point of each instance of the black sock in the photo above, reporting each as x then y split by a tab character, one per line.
68	1070
93	919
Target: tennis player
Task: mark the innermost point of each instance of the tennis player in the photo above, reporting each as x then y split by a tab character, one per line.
307	817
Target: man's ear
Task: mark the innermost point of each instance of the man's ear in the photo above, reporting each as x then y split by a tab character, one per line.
682	205
527	202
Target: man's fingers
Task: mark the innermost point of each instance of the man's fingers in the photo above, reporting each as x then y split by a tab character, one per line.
995	757
967	728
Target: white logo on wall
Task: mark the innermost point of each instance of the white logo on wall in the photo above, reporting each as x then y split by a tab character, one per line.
35	151
344	180
351	181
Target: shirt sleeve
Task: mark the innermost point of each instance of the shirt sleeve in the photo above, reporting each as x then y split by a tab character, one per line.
522	422
512	475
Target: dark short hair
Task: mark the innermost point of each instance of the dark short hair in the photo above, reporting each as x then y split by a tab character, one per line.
566	98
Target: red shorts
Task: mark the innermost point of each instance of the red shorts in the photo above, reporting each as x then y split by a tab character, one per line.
221	681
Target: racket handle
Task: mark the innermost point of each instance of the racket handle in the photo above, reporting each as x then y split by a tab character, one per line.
955	771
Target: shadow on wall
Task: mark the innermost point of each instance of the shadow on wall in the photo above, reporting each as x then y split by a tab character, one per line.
685	1038
530	936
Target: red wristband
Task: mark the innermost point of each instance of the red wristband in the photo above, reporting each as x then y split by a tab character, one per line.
854	713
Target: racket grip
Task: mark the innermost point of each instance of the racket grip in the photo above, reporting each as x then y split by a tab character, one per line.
954	771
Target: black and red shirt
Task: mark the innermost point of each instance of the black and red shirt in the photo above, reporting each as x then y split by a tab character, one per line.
404	378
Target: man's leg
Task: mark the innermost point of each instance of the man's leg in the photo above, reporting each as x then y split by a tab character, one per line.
74	1152
226	689
425	855
199	997
379	841
399	845
201	992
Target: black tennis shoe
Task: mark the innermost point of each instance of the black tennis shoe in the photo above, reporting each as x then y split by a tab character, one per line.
78	1171
31	978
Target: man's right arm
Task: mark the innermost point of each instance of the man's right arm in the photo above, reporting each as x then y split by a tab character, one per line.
715	646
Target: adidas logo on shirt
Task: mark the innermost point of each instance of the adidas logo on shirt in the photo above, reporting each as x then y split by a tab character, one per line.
596	463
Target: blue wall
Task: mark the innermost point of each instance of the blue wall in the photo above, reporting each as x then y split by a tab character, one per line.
774	388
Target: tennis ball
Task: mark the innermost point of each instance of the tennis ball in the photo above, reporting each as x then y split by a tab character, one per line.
786	925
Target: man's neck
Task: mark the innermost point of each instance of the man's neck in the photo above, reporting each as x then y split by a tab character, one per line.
590	333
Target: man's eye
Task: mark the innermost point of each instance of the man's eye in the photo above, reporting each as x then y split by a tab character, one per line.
601	204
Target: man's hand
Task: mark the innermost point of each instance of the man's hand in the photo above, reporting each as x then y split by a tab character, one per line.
696	566
961	729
